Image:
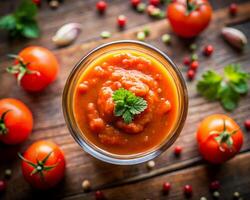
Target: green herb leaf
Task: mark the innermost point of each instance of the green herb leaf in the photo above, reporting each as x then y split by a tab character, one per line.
127	105
30	29
226	89
8	22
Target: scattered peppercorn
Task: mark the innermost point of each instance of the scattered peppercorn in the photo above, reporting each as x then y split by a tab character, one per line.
186	60
166	38
203	198
141	7
177	150
7	173
208	50
86	185
188	190
121	21
236	195
166	187
101	6
150	9
141	36
214	185
194	57
135	3
146	30
54	4
99	195
154	2
150	164
3	185
190	74
247	124
193	47
216	194
233	9
194	65
105	34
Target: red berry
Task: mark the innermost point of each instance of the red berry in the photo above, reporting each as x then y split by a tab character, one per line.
177	150
121	20
135	3
188	190
194	65
101	6
166	187
190	74
233	8
37	2
154	2
247	124
208	50
215	185
3	185
99	195
186	60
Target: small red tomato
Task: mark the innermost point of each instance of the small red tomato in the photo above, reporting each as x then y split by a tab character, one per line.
177	150
166	187
215	185
247	124
190	74
154	2
188	190
101	6
208	50
135	3
99	195
16	121
233	8
43	164
121	21
194	65
186	60
3	186
37	2
219	138
35	68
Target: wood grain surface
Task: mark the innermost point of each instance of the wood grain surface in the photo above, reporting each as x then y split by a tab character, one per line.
126	182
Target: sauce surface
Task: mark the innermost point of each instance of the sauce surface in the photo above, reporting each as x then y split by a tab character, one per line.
94	107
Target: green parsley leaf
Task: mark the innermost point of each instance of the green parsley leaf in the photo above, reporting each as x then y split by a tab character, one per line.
127	105
226	89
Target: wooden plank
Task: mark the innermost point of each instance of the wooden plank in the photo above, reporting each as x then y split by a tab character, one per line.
50	123
236	171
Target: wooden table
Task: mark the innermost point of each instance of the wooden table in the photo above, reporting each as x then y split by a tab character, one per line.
126	182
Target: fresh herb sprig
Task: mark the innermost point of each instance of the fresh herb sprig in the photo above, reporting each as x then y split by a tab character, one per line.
127	105
227	89
22	22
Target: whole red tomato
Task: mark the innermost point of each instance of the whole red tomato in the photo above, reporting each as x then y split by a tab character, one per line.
43	164
189	18
219	138
16	121
35	68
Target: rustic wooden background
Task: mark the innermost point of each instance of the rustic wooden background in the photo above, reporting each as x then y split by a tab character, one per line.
126	182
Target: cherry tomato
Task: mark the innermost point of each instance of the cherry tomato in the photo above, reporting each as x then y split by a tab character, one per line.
189	19
35	68
43	164
16	121
219	138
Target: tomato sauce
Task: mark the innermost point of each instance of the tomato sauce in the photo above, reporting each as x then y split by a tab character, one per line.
142	75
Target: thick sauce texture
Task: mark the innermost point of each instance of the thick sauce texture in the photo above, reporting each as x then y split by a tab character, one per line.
140	74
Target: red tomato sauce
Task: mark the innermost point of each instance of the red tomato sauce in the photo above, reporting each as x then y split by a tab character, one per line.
140	74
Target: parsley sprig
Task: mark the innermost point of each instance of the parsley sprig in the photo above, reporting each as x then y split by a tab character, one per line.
21	22
127	105
227	89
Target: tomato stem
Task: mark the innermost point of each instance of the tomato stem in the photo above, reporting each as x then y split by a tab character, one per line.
190	7
3	128
20	69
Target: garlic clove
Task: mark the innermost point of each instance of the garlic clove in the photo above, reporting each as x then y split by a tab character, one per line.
234	37
67	34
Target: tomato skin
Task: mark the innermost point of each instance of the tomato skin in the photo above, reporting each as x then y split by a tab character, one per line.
209	147
192	24
38	151
40	60
18	121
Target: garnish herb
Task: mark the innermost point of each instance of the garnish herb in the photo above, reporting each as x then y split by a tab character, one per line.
226	89
21	22
127	105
